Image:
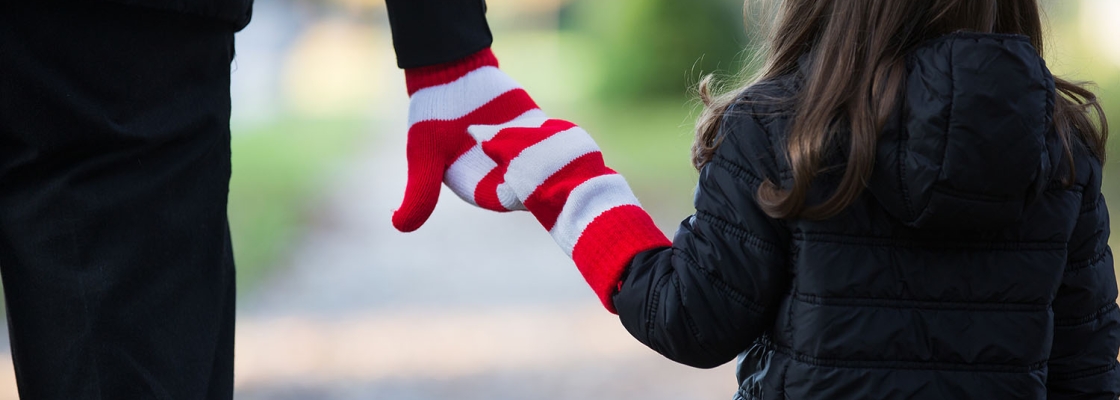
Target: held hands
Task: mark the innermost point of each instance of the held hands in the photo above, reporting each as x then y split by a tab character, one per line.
444	101
557	171
495	149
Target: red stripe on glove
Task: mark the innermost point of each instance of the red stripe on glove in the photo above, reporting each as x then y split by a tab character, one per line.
435	144
435	75
548	200
606	247
486	193
510	142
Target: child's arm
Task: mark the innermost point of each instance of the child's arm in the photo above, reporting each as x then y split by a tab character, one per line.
713	293
699	300
1083	361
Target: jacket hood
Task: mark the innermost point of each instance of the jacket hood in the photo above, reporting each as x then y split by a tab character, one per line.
968	149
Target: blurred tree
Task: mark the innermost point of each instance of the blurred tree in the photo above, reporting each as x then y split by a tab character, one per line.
657	48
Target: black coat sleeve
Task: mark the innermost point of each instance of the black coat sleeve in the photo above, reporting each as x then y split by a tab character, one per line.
1083	361
708	297
430	32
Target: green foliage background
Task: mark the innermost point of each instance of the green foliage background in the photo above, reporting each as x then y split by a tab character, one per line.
657	48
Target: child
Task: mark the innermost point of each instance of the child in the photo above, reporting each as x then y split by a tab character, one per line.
905	204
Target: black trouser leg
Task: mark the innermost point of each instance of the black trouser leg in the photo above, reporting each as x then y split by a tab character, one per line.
114	174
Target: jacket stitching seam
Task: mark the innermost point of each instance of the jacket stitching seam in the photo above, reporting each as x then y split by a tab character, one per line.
840	238
949	118
1056	185
919	304
902	151
737	171
689	322
769	144
1080	265
655	304
737	231
1091	206
968	195
1085	373
1096	315
723	287
909	365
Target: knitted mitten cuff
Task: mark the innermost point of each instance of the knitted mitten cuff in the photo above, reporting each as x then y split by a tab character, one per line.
440	74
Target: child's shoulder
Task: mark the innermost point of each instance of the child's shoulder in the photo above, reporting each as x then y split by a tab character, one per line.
755	126
768	103
772	96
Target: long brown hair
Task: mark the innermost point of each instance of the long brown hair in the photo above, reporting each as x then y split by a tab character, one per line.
864	43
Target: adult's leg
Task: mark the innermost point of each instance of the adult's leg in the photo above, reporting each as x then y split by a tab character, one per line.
114	174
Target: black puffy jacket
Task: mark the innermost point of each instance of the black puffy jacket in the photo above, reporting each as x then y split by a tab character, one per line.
967	270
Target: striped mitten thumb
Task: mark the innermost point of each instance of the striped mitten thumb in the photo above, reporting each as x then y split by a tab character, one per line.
557	171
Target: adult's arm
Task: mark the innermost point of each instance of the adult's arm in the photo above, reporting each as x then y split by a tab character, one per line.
430	32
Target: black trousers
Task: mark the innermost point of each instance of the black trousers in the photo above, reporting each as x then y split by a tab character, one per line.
114	174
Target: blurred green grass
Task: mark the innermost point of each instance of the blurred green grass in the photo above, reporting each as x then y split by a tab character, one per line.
277	170
650	144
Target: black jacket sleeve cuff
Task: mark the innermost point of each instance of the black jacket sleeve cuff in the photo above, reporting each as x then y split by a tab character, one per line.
430	32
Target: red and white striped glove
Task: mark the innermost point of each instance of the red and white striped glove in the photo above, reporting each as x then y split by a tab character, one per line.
477	130
557	171
444	101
